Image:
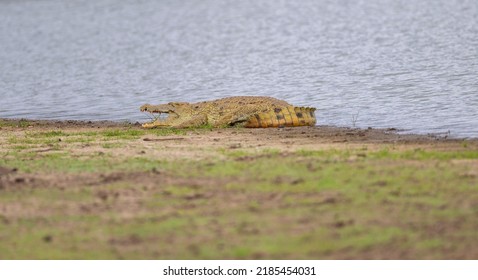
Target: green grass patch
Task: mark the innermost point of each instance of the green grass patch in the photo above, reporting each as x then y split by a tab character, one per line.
15	123
48	134
309	204
63	162
390	154
112	145
167	131
124	133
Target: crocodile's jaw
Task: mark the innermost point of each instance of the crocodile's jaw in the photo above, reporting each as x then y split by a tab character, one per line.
167	122
153	124
161	109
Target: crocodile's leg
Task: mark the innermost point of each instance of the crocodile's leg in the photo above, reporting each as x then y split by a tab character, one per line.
194	121
231	119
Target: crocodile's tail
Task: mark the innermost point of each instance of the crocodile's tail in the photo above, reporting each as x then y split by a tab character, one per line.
284	116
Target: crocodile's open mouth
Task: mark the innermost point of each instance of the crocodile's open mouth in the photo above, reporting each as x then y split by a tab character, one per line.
162	115
161	119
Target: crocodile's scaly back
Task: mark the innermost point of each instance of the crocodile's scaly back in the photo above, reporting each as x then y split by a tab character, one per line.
280	117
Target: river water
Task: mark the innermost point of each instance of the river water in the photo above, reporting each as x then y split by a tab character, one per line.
411	65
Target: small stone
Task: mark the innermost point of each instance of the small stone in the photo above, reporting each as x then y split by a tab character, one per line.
235	146
155	170
47	238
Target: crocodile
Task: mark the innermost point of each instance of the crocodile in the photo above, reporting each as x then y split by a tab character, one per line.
246	111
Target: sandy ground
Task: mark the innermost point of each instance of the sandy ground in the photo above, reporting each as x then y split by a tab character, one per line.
198	149
198	145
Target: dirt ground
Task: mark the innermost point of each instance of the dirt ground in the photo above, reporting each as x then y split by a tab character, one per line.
105	190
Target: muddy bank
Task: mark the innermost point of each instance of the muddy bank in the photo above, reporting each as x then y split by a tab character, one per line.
325	133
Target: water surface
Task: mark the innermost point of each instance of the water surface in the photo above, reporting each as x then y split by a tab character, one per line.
381	63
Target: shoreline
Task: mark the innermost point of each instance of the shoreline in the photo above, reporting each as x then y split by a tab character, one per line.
60	123
401	134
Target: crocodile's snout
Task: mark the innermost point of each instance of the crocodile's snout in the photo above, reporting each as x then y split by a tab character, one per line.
164	108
